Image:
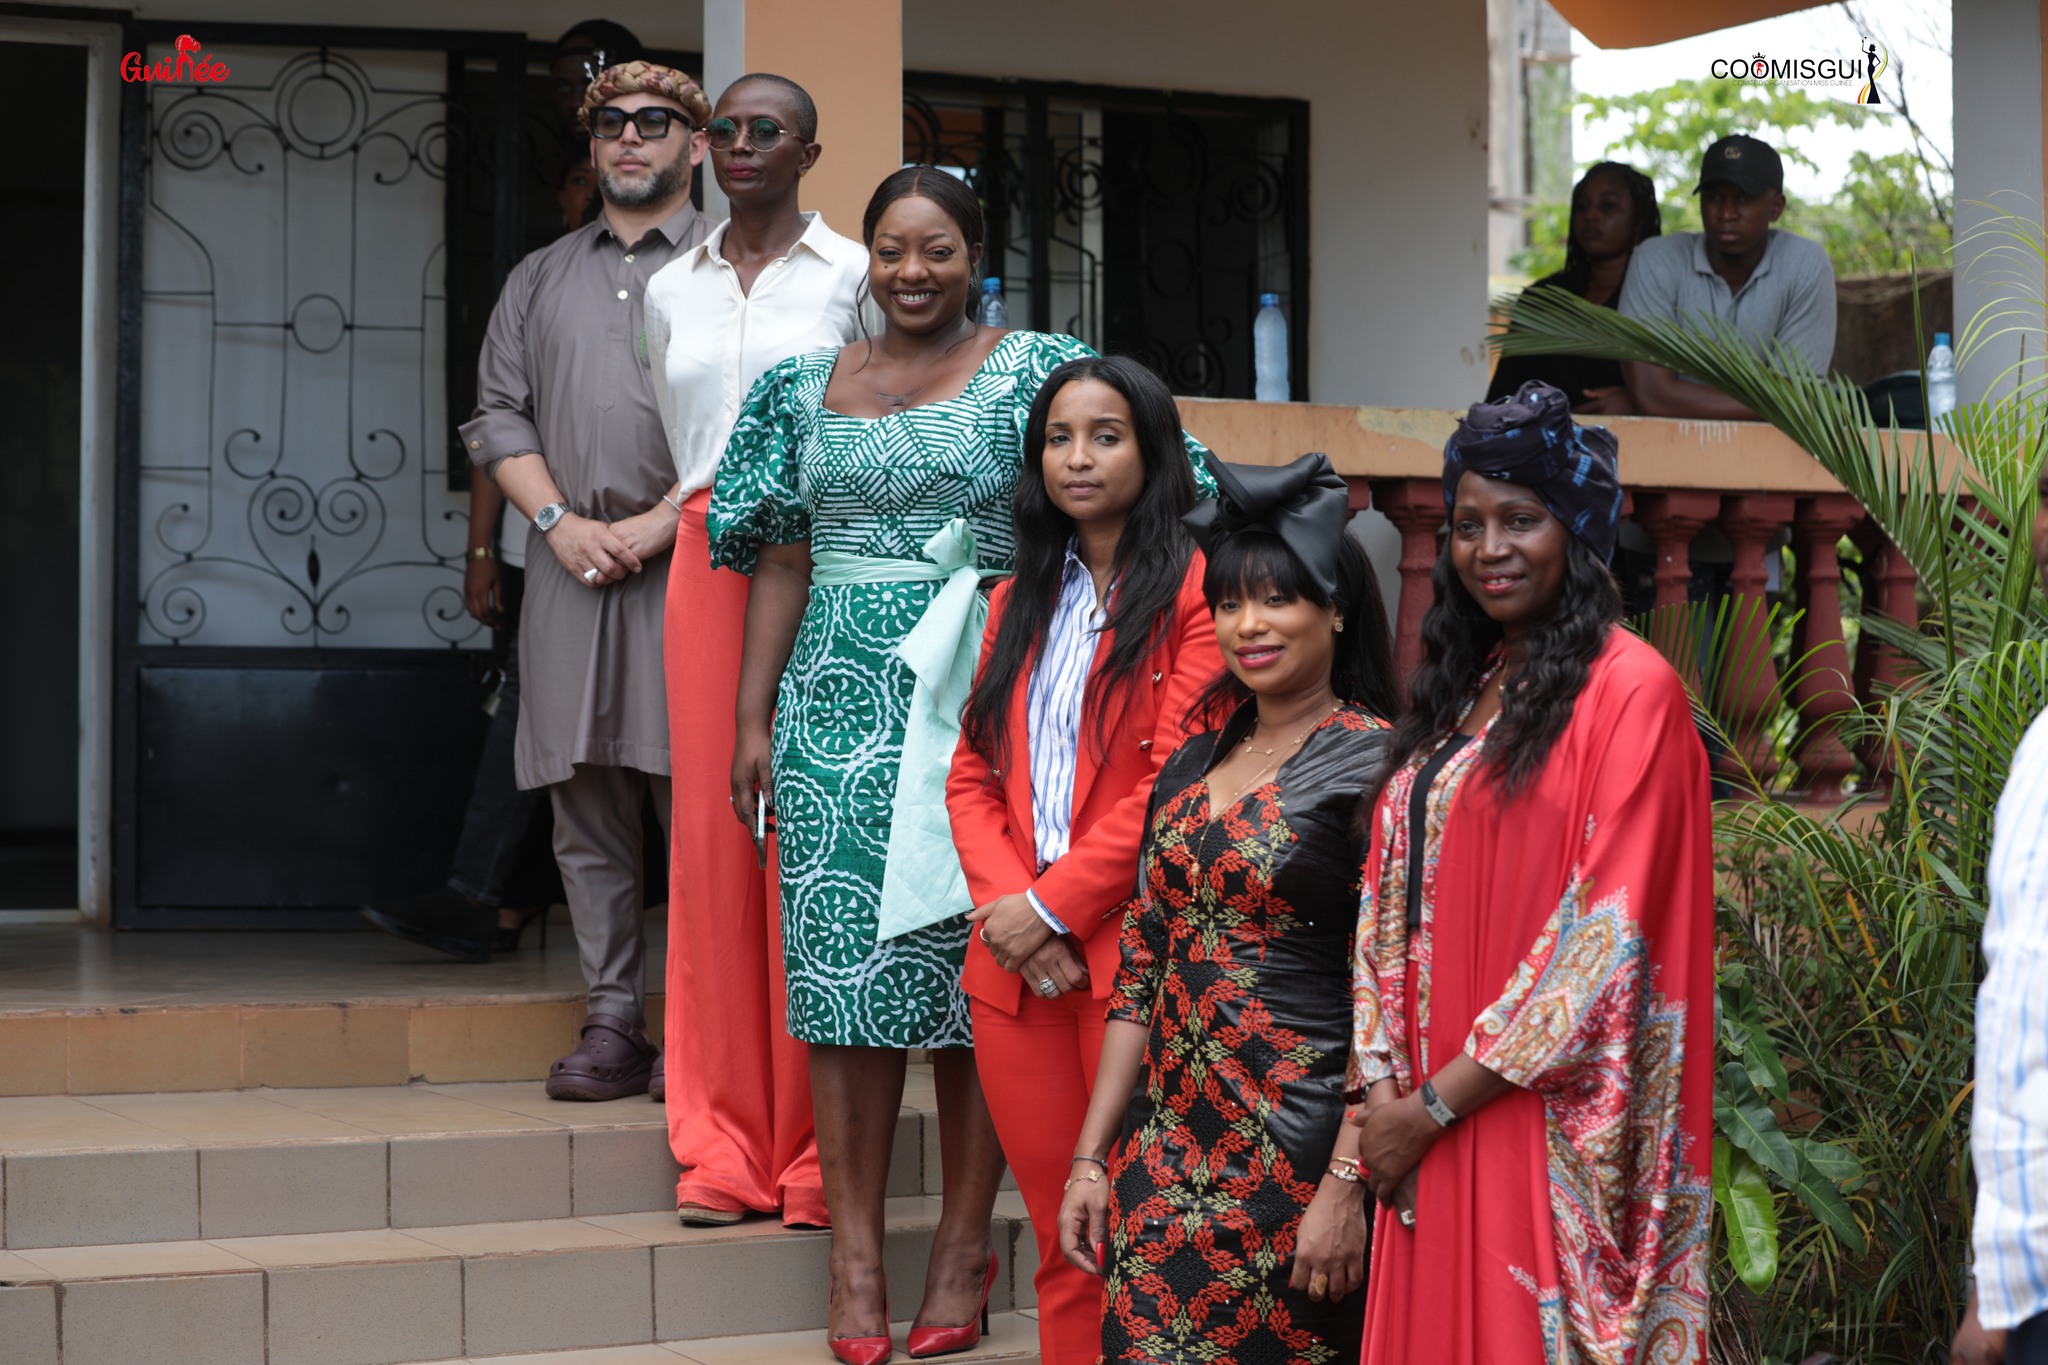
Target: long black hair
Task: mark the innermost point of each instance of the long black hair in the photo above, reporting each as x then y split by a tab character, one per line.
1642	198
952	196
1458	643
1362	668
1151	555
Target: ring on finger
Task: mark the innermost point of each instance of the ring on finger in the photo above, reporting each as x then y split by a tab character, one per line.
590	574
1318	1286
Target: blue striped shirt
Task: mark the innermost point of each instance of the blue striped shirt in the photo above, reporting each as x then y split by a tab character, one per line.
1059	686
2009	1125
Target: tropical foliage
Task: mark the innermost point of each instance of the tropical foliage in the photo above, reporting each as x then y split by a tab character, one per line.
1849	938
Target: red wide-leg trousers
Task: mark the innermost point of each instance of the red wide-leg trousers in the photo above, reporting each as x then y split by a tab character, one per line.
739	1087
1037	1067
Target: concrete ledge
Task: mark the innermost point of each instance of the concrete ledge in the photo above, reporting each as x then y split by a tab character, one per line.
1408	443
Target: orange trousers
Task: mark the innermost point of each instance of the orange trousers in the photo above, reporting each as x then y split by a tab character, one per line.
739	1087
1037	1067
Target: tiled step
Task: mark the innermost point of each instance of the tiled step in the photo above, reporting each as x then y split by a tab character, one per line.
87	1170
461	1292
118	1049
1012	1339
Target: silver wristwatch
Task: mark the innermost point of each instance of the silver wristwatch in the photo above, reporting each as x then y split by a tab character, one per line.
1444	1115
546	518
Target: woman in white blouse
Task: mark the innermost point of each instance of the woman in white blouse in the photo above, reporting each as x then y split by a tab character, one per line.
769	283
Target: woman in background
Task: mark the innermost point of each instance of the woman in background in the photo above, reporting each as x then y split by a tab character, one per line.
1614	207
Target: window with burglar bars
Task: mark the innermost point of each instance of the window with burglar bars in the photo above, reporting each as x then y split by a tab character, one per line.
1145	223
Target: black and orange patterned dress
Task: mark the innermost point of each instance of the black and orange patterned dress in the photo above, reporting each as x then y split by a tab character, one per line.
1237	960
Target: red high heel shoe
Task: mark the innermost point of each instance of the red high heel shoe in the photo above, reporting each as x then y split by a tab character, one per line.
926	1342
864	1350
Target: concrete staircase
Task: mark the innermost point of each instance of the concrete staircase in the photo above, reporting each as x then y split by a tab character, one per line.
418	1223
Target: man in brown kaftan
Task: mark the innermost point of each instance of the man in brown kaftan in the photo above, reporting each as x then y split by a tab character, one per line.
566	423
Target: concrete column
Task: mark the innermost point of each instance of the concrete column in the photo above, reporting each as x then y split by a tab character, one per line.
849	55
1998	61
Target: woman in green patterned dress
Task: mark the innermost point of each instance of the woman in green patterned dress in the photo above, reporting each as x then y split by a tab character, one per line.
868	492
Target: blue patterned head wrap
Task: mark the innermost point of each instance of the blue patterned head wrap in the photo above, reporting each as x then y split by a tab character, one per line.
1531	440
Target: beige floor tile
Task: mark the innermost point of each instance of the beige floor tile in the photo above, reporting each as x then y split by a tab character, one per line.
34	1046
226	1116
468	1178
214	1321
80	1198
326	1045
60	1123
20	1270
491	1042
906	1155
557	1301
113	1052
513	1239
403	1110
333	1248
920	1092
1010	1338
293	1187
364	1314
134	1260
664	1229
530	1098
28	1324
598	1355
622	1170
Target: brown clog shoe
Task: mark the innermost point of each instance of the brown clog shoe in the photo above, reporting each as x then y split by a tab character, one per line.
613	1061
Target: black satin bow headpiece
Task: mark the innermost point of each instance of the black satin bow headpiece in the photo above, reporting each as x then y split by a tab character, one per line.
1531	440
1304	503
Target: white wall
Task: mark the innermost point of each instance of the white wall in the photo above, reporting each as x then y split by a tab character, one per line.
1998	160
1397	169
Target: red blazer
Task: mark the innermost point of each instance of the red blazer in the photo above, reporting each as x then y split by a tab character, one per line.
991	811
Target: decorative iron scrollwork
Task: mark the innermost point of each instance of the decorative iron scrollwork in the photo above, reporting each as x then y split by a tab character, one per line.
292	300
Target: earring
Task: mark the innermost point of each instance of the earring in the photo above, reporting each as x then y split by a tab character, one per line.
1340	627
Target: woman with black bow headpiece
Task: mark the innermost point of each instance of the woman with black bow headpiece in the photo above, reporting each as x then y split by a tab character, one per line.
1534	1037
1215	1187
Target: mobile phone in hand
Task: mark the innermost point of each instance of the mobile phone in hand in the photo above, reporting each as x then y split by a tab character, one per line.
760	830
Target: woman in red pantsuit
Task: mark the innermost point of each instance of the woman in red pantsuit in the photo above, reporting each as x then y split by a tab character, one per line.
1094	651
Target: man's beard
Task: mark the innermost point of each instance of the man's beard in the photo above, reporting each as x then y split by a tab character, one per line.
661	185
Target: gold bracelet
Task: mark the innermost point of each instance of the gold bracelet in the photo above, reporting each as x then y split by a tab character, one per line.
1093	1177
481	552
1347	1174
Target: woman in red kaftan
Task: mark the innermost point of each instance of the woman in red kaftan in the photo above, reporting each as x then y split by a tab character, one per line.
1533	1030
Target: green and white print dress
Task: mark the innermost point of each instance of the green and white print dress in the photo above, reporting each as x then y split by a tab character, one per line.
881	487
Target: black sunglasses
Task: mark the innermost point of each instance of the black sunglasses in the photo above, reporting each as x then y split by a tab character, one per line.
762	133
607	122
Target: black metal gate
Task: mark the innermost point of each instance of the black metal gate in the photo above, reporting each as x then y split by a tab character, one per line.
298	689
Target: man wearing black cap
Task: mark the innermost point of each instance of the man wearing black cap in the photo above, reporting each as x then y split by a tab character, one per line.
1762	281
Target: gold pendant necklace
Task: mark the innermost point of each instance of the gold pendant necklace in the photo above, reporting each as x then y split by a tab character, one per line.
1299	740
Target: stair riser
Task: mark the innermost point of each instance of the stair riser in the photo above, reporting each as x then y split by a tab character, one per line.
94	1198
445	1307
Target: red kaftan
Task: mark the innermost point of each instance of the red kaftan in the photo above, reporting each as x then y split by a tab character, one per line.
1566	943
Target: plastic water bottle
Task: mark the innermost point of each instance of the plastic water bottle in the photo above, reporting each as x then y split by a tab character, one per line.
1269	351
994	312
1941	381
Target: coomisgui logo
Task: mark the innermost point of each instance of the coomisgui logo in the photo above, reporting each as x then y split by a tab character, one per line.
1860	71
186	64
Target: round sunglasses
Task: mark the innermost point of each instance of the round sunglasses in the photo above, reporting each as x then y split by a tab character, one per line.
607	122
762	133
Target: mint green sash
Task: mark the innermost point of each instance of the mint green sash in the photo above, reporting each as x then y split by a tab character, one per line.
921	879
